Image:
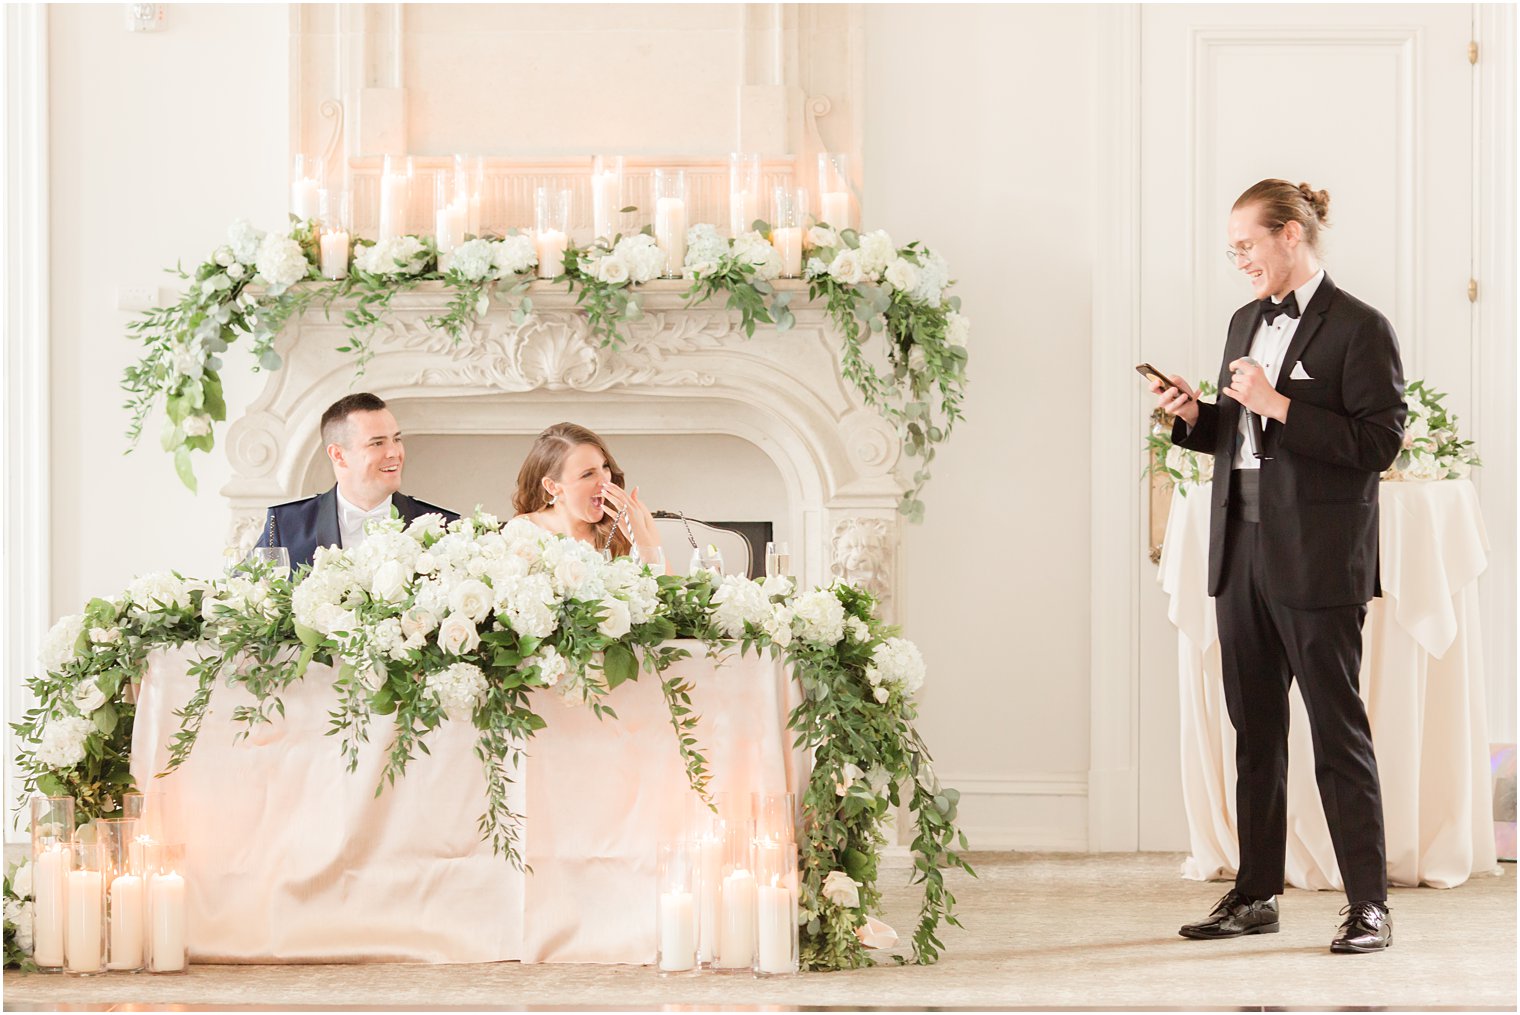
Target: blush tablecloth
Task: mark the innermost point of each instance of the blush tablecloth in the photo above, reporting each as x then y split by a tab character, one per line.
291	858
1421	678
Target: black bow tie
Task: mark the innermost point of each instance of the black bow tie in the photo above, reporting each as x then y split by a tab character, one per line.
1270	310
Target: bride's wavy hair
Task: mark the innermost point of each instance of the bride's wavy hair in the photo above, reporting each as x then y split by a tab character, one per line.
547	458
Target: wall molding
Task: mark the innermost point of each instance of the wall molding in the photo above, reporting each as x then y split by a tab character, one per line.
995	811
1118	539
24	423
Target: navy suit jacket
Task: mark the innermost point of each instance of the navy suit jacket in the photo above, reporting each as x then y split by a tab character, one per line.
1319	491
303	525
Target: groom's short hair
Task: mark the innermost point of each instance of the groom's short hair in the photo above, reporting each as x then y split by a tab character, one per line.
335	419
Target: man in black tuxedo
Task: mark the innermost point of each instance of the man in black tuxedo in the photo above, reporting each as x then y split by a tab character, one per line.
364	446
1293	548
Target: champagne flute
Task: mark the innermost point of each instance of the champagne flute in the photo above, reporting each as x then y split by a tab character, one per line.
778	560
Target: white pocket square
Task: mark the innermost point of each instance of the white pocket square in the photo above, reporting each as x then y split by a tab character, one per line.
1299	373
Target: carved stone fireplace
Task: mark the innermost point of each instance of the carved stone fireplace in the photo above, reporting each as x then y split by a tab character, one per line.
817	456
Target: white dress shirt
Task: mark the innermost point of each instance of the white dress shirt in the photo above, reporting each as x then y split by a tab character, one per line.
351	520
1268	348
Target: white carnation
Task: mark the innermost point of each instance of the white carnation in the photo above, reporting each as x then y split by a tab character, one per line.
475	260
842	890
459	689
515	254
281	263
458	635
58	646
243	240
820	617
62	742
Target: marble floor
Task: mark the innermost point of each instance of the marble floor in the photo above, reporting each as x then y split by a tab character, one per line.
1043	931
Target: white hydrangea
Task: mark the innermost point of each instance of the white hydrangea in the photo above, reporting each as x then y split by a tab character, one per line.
957	329
739	601
777	585
552	666
62	742
933	277
281	263
858	629
158	591
752	248
323	591
58	646
877	251
459	689
896	663
21	880
399	255
528	605
626	580
641	255
704	249
19	915
778	627
243	241
514	254
820	617
475	260
575	568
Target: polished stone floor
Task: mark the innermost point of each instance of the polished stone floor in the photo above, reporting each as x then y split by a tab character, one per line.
1043	931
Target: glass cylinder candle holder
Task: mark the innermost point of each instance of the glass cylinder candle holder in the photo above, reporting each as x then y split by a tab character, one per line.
126	897
551	230
306	179
84	910
775	817
670	218
451	213
743	192
168	940
606	196
776	936
834	205
789	207
335	238
52	859
470	172
735	941
679	912
395	195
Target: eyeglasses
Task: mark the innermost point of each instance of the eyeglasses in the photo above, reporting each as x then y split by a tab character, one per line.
1234	254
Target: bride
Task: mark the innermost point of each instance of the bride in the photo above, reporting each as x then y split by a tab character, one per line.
570	485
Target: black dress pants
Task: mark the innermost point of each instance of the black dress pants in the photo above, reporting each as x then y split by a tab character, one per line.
1264	645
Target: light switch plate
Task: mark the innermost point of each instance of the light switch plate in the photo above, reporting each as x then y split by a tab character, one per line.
136	297
145	17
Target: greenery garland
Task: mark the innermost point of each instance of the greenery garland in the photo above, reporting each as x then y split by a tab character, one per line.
256	282
431	624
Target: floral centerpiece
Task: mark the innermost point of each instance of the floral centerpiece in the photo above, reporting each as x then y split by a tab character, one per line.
256	282
433	623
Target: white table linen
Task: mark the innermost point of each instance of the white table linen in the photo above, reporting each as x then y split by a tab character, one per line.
1421	678
291	858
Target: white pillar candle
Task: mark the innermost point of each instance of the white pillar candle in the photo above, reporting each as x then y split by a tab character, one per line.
393	192
743	209
736	928
788	243
836	209
777	923
334	265
125	946
551	244
678	931
166	905
452	222
670	232
303	198
605	203
47	911
711	859
84	923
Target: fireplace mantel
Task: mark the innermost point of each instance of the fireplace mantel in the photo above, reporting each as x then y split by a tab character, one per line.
684	370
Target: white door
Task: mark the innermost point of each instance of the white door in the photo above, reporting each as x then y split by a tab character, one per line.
1371	103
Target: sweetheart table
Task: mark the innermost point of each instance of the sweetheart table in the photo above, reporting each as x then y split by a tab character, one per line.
1421	679
292	858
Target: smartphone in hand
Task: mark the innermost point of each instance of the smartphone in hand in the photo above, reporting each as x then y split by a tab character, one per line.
1150	373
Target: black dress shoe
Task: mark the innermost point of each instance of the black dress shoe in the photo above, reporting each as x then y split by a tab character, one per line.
1233	916
1368	928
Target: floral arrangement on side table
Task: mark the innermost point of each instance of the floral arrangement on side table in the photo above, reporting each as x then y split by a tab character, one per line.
256	282
431	624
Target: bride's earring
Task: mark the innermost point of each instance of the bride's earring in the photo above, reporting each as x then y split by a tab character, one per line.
553	499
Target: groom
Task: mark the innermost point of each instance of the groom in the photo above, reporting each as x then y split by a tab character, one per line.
364	445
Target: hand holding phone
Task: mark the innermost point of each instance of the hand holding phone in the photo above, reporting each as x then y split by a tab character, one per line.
1150	373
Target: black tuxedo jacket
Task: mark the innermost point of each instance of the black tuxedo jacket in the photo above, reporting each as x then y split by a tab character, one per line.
303	525
1319	491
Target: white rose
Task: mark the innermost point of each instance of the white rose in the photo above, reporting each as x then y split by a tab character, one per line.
105	635
223	256
842	890
612	270
417	622
197	425
330	618
848	777
472	597
457	635
235	271
21	880
917	359
617	622
822	236
88	697
902	275
430	524
389	583
881	693
957	329
846	267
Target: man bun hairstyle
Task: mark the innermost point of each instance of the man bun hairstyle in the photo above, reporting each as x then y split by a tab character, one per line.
335	419
1280	202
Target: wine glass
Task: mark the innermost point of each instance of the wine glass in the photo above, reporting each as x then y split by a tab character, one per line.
271	560
778	560
708	559
654	557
